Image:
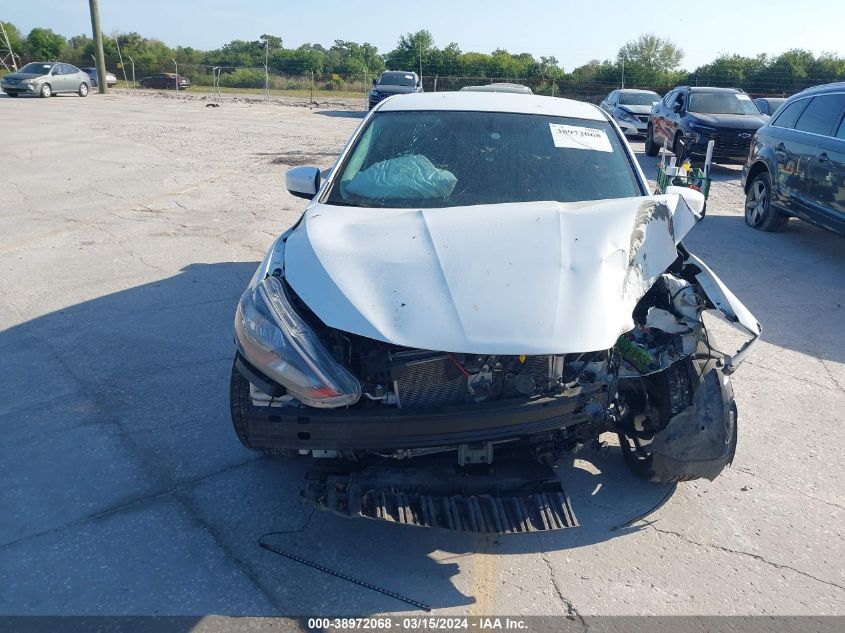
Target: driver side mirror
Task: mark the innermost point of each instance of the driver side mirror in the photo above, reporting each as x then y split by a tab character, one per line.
677	107
303	182
375	83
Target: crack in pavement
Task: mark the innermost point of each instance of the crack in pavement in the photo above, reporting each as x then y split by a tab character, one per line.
758	557
798	491
131	503
832	377
571	612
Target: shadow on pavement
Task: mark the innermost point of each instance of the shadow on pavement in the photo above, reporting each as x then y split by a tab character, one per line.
129	492
343	114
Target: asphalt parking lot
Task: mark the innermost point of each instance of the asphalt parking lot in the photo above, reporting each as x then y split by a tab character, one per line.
129	226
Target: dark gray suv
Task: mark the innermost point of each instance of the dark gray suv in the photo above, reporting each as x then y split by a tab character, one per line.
796	166
394	82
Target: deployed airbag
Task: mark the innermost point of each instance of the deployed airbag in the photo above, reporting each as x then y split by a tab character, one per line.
411	177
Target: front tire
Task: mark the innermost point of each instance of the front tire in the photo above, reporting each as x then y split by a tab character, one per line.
759	213
239	404
83	90
651	148
46	91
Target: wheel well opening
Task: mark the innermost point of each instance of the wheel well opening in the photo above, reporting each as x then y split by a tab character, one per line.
756	169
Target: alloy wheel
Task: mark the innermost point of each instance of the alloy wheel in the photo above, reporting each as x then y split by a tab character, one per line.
757	203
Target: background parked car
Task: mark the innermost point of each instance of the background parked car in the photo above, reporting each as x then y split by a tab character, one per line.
394	82
165	80
696	115
111	80
769	105
46	79
500	87
630	109
797	163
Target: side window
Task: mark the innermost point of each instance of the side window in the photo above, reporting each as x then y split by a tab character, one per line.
70	70
57	69
614	97
820	116
789	115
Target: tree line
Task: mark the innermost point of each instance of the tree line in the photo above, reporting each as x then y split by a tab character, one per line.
648	61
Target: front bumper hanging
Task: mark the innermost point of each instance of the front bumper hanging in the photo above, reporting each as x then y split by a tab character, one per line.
517	496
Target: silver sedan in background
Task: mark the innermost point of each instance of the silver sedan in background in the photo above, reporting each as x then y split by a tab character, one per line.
630	109
46	79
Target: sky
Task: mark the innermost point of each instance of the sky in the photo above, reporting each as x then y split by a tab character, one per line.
573	32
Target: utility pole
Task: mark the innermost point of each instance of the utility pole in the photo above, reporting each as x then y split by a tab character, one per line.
177	75
9	48
623	72
98	46
420	61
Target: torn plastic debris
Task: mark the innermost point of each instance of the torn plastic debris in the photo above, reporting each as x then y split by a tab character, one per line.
664	321
405	177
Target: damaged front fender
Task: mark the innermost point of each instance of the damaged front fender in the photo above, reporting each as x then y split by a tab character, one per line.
731	308
700	440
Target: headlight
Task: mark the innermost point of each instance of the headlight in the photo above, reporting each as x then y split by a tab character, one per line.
29	82
622	115
702	129
373	93
274	338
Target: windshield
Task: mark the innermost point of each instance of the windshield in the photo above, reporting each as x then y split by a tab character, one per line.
721	103
36	68
639	98
398	79
443	159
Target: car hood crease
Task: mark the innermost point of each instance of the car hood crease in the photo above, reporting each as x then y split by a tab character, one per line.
515	278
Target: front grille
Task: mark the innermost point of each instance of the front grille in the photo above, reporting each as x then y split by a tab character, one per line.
732	143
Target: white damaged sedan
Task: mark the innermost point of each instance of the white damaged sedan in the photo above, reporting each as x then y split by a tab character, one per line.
480	284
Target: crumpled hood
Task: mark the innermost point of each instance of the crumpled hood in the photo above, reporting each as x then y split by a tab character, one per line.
521	278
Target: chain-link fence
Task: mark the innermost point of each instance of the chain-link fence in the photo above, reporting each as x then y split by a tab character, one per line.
273	82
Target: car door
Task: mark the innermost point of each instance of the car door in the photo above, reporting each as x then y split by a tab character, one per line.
70	80
75	77
790	157
825	196
674	114
658	118
69	83
57	79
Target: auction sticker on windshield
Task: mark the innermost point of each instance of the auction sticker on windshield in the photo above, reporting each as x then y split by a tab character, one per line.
576	137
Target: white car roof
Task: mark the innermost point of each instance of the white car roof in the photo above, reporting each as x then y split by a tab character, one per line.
469	101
